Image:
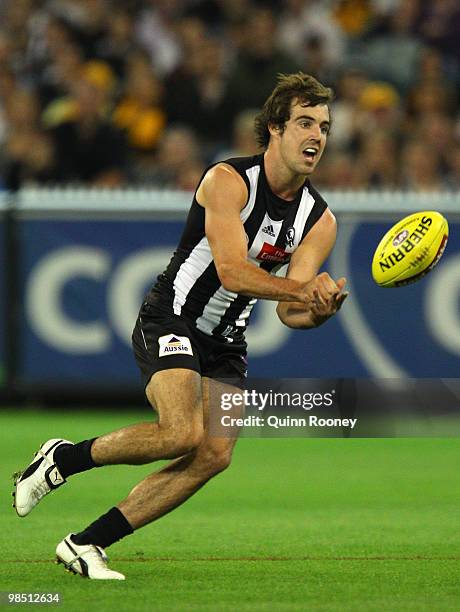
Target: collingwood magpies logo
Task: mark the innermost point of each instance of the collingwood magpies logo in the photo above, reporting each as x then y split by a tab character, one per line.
290	235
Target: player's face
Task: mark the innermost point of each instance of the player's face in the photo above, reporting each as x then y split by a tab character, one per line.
304	138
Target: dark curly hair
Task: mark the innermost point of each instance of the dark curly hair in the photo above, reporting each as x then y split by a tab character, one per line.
277	108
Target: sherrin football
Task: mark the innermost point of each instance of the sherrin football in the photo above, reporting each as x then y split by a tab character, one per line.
410	249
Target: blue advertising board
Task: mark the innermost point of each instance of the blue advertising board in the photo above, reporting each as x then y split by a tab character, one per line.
83	282
2	303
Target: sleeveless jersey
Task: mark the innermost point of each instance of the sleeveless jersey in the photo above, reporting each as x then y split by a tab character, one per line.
190	286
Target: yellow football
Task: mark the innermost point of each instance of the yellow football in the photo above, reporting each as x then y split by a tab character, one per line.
410	249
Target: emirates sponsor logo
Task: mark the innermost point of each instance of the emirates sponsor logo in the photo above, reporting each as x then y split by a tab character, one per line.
268	252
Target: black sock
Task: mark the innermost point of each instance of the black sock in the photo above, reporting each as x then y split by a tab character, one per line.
74	458
106	530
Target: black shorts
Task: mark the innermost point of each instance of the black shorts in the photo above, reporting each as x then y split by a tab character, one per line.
162	341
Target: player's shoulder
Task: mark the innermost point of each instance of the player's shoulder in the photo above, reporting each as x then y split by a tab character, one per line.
242	164
236	167
224	179
222	176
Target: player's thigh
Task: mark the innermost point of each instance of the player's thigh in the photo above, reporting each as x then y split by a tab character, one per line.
169	363
176	395
162	341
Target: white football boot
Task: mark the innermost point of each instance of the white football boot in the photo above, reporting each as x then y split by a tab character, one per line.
39	478
88	560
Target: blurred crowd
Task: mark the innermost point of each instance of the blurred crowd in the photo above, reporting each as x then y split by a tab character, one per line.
149	92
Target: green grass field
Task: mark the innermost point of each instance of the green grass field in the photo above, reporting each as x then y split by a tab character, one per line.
319	524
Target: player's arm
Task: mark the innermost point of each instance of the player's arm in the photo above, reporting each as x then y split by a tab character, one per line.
223	194
328	295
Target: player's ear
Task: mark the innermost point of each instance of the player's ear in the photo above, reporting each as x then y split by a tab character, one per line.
275	130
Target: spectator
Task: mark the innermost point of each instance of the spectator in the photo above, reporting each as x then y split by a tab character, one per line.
235	10
379	108
177	161
155	31
66	69
254	73
30	160
429	97
432	91
201	63
139	112
243	138
201	81
339	171
420	168
89	148
354	17
438	132
377	162
397	41
118	43
440	27
65	108
15	22
55	58
86	19
453	176
305	21
28	154
345	110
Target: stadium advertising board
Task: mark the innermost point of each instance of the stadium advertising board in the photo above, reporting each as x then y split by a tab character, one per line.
3	294
83	282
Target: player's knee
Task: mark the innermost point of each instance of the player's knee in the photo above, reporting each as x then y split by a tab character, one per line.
216	460
222	461
189	440
182	441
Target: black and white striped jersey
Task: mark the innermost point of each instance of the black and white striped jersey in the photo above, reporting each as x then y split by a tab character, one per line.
190	286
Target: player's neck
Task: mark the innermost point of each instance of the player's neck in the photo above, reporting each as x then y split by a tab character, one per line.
283	182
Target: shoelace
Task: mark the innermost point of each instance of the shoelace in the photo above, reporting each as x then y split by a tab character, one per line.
94	555
40	490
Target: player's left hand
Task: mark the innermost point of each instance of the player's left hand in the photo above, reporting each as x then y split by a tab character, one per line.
328	297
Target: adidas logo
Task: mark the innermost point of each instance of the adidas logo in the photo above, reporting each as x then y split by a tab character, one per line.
268	229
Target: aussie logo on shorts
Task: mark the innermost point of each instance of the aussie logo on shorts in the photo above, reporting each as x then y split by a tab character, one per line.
174	345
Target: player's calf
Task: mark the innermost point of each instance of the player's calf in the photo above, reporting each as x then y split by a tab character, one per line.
143	443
